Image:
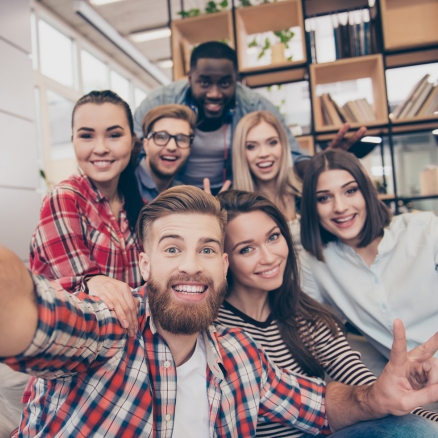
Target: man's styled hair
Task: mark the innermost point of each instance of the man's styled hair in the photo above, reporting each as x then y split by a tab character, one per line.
170	111
213	50
180	200
313	236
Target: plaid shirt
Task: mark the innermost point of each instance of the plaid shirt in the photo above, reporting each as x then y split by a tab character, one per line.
100	383
78	235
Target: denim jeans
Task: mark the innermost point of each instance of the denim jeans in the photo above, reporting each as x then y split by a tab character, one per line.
408	426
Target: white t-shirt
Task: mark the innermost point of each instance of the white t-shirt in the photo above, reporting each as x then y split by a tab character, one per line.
192	417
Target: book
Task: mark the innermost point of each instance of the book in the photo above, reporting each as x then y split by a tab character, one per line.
401	107
354	111
404	113
419	101
431	104
337	108
366	110
325	115
331	110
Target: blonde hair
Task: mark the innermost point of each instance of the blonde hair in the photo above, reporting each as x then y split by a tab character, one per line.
180	200
169	111
287	183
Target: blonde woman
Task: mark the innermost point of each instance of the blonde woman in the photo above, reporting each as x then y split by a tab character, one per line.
262	163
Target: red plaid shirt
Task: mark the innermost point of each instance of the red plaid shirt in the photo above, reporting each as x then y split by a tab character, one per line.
98	382
79	235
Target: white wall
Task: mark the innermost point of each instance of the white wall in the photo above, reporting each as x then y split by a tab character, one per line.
19	180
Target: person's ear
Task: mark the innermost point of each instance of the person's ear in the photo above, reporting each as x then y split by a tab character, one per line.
145	266
145	145
225	262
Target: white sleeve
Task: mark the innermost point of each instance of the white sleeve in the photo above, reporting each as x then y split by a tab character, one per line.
309	284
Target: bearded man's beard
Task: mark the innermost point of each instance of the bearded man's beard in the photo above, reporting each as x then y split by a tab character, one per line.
184	318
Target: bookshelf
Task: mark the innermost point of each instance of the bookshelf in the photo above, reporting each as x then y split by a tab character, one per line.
406	34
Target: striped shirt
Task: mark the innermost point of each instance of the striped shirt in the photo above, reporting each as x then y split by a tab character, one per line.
98	382
78	235
339	361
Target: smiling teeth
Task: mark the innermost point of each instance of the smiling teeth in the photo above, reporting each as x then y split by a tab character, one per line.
101	163
266	164
345	219
185	289
169	157
269	272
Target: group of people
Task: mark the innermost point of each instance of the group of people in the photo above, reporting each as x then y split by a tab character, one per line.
154	308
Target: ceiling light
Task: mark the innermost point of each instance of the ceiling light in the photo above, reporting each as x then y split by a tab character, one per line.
102	2
90	15
165	63
150	35
375	140
435	132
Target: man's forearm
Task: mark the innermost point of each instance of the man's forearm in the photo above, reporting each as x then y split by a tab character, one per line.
18	306
347	405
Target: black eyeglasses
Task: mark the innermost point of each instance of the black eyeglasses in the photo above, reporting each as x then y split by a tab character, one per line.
161	138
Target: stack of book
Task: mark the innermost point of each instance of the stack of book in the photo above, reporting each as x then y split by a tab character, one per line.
354	111
422	101
354	34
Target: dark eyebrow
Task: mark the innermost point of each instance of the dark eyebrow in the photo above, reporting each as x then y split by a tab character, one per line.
92	129
252	240
170	236
345	185
114	127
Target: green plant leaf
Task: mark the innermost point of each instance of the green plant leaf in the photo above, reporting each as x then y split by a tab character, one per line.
223	4
245	3
253	43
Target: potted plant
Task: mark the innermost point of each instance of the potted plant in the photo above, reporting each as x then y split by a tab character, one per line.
210	8
278	48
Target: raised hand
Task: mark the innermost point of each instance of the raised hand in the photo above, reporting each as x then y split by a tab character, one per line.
117	296
207	187
409	379
339	142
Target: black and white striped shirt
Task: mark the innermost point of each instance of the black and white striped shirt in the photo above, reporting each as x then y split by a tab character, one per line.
339	361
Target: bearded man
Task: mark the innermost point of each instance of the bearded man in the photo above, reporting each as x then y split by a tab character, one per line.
179	375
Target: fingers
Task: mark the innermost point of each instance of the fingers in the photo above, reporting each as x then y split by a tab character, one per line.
399	352
430	369
117	296
354	138
339	138
226	186
207	188
425	351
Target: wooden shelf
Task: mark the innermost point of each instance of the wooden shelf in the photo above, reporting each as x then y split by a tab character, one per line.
376	132
412	120
192	31
408	23
306	144
276	77
411	58
267	17
346	70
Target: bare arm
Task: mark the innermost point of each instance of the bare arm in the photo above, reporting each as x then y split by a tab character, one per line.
18	306
409	380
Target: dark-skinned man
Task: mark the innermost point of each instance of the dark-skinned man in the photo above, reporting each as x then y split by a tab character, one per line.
219	101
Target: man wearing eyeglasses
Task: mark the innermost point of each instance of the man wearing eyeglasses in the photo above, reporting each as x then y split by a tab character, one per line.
167	137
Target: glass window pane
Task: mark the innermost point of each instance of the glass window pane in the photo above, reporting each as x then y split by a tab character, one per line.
293	102
120	85
94	73
139	96
56	54
60	110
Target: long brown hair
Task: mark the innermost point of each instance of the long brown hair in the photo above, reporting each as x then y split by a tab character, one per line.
289	305
313	236
127	185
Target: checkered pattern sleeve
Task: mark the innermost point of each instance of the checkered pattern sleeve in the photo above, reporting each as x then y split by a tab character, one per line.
288	398
74	333
58	248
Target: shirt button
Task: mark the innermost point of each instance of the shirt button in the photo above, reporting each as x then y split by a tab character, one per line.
167	417
167	364
384	306
376	279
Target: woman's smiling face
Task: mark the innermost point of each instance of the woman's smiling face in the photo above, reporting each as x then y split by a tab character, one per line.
263	152
257	251
340	205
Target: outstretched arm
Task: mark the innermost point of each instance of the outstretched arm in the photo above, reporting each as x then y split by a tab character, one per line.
18	306
408	380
